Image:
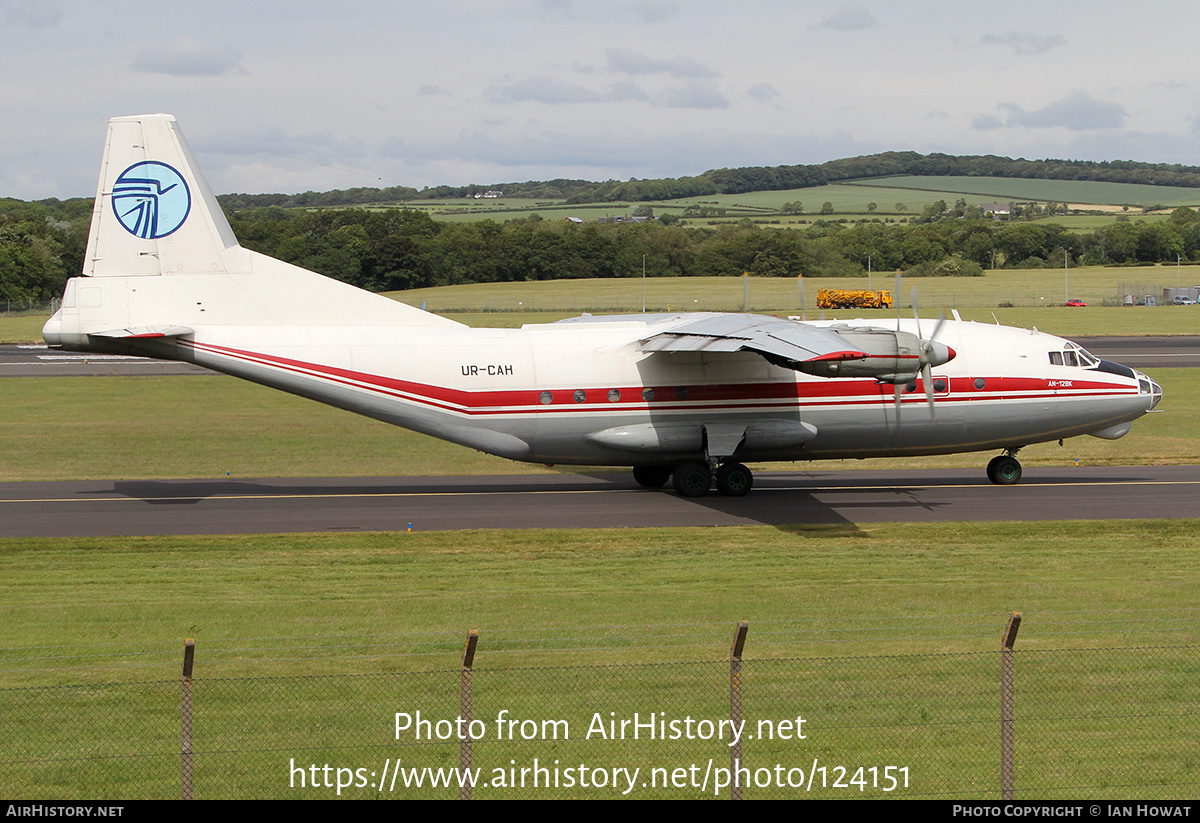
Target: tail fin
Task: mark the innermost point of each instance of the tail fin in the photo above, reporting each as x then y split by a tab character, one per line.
154	212
162	260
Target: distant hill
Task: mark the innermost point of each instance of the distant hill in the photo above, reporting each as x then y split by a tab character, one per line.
748	179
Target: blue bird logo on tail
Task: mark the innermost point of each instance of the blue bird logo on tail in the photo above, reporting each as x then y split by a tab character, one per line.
151	199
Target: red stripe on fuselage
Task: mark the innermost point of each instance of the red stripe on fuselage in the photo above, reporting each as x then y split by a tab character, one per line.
729	396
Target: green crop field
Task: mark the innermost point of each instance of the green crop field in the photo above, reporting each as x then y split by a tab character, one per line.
847	198
1058	191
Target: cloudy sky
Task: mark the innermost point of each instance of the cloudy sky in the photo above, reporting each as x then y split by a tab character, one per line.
297	95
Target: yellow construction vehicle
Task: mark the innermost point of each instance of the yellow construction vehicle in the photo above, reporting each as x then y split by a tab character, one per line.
853	299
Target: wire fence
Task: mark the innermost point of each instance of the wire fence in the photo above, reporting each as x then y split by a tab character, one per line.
1062	723
21	308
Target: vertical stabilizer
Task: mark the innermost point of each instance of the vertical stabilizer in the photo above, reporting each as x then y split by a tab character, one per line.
154	212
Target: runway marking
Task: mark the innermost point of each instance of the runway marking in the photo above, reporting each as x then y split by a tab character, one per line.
450	493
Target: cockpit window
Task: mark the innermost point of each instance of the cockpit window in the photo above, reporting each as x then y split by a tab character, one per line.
1073	357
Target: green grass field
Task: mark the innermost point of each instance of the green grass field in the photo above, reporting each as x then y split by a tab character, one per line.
1036	297
115	609
306	645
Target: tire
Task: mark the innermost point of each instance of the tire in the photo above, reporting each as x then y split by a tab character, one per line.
692	479
652	477
734	480
1004	470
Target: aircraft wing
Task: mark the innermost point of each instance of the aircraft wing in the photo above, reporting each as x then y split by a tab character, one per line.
780	341
143	332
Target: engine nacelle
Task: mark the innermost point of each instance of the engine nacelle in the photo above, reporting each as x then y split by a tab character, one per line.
892	356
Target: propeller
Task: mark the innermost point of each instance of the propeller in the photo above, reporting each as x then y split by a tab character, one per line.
930	353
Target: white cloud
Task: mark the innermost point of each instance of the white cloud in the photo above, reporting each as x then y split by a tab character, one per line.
694	94
32	14
1024	42
849	18
762	92
555	92
1078	111
654	11
629	61
188	58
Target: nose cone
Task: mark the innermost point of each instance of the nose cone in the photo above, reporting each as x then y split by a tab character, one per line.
52	331
937	354
1148	387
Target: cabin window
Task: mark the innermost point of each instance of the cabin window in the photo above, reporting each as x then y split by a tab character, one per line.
614	395
545	398
579	396
979	383
647	394
681	392
939	385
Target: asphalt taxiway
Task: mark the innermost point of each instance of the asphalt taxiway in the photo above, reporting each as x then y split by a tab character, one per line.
258	506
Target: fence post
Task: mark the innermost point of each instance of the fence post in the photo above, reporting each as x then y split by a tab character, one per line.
185	720
1006	706
735	706
465	712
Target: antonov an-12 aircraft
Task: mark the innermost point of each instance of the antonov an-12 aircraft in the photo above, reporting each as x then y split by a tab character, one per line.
689	397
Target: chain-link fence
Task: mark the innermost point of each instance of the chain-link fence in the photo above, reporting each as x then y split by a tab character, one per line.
1072	723
19	308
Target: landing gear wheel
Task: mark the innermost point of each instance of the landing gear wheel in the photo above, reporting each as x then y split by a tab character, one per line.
1004	470
734	480
652	477
692	479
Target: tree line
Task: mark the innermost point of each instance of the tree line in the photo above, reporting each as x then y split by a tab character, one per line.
43	243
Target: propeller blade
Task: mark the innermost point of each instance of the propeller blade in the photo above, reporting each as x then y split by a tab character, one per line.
937	327
927	379
897	294
916	313
931	354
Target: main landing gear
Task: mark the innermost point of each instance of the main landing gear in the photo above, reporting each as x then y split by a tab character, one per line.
1004	470
696	478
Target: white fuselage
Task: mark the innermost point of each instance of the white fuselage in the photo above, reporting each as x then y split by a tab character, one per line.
542	393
